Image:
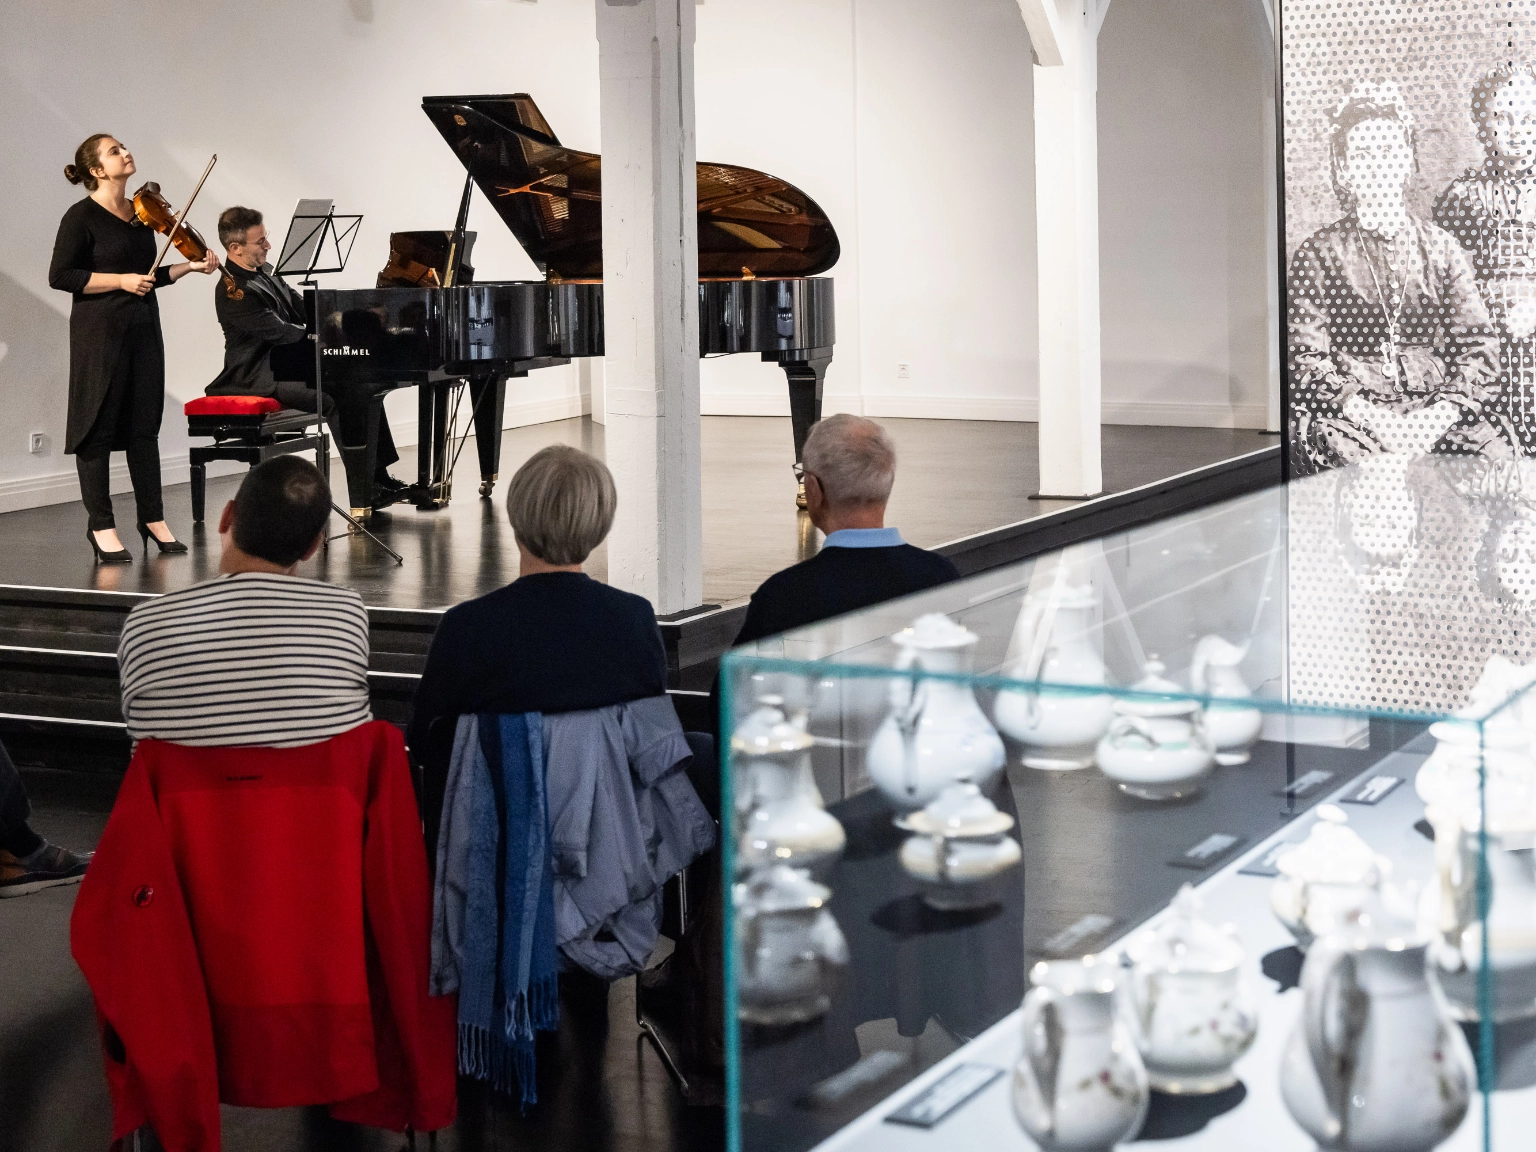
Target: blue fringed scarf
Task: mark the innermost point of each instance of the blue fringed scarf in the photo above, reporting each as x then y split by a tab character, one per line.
508	981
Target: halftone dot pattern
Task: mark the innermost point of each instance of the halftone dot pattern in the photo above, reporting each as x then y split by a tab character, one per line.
1410	198
1404	576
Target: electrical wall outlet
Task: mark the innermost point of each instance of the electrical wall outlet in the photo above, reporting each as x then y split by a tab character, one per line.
903	371
37	443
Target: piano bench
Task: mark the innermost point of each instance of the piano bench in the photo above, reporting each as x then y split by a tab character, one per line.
251	436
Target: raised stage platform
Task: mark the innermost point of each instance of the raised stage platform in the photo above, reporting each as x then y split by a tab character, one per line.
963	487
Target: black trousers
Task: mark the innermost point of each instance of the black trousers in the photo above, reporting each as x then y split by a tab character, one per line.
128	419
346	414
15	835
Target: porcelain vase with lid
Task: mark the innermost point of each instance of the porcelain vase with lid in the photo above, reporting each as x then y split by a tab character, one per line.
1233	729
783	817
960	850
1186	1002
1054	639
788	946
1080	1085
1324	878
1157	749
1375	1062
935	734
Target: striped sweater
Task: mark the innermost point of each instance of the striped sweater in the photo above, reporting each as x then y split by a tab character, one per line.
251	659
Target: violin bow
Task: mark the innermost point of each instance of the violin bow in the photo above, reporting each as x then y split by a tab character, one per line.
170	237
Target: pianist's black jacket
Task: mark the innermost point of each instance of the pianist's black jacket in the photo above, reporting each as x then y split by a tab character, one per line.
257	313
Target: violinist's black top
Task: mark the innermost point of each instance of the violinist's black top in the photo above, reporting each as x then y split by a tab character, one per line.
92	239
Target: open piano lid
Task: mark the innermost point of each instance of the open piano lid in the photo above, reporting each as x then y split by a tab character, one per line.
550	197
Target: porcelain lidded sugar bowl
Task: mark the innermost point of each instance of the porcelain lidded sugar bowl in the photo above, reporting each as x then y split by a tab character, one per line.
783	818
960	850
1325	877
1232	728
1080	1085
788	945
1055	644
1157	749
936	734
1186	1003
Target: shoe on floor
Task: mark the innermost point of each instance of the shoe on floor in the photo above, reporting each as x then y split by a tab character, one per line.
49	867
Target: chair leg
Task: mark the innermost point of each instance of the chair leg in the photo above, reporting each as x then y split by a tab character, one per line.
199	491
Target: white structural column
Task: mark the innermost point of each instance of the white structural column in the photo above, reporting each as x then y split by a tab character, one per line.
1064	36
650	299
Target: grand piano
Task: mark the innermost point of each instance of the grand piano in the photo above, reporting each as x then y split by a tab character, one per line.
429	324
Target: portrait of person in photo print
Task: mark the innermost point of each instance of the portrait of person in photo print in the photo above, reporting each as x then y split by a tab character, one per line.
1406	125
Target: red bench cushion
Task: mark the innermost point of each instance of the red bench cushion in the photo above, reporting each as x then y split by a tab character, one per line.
230	406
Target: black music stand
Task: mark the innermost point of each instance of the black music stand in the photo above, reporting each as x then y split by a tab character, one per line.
312	226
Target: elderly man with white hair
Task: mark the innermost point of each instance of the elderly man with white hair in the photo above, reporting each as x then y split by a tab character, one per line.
850	467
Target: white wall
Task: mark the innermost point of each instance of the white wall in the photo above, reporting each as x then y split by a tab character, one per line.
908	120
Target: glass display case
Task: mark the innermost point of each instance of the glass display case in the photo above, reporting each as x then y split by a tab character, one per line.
1193	833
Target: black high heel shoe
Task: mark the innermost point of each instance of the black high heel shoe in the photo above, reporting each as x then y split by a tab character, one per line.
122	556
169	547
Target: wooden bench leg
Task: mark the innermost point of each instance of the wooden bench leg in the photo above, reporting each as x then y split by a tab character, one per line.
199	490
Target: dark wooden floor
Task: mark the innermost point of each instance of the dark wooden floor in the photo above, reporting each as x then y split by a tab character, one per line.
955	477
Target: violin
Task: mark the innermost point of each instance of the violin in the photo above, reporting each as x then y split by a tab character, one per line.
154	211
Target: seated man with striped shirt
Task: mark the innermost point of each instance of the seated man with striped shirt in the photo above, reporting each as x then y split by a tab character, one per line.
259	656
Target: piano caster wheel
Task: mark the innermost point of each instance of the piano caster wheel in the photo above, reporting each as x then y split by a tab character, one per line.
800	497
486	486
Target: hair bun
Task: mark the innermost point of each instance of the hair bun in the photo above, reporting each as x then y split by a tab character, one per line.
72	174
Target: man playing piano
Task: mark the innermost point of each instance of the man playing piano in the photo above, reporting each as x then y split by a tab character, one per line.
259	311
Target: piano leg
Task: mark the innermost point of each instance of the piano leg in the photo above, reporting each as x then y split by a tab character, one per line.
806	372
488	398
433	445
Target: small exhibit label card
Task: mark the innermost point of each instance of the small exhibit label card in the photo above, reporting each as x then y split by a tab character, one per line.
944	1095
1373	791
1072	940
1305	784
1265	863
1214	848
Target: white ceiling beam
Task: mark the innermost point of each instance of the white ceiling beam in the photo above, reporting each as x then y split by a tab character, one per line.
1044	31
1098	19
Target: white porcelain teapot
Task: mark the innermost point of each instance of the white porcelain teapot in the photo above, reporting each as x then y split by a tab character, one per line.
936	734
1449	910
1054	639
962	845
783	817
1080	1085
788	946
1232	728
1325	877
1186	1003
1375	1063
1157	749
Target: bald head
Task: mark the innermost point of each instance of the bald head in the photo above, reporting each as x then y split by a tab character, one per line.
853	459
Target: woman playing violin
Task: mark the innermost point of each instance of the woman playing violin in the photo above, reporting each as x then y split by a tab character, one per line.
116	355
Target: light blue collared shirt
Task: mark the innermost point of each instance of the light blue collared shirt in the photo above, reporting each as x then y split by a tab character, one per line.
864	538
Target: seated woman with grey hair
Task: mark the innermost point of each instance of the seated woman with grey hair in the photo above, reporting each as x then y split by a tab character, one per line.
554	640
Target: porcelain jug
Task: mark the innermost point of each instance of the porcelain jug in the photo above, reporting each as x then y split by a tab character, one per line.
1054	639
1450	911
1375	1063
1080	1085
1186	1003
1324	878
1233	729
1157	749
1453	773
788	947
783	818
961	849
935	734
